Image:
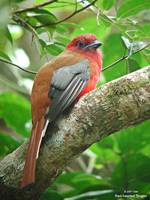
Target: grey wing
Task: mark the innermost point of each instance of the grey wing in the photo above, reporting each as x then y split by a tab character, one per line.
66	85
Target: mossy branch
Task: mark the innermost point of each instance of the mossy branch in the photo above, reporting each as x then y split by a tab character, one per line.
117	105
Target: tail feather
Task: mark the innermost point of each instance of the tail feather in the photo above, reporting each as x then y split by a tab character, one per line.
42	135
32	153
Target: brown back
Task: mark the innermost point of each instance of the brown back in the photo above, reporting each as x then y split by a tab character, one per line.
39	97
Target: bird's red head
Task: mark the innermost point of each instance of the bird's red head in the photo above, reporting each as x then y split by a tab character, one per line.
87	45
84	43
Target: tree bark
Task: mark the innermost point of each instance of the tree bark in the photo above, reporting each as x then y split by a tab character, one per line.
116	105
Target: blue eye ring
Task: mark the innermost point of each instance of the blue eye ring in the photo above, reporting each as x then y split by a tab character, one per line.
80	44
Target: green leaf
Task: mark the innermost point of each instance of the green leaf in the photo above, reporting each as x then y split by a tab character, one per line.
104	155
47	30
42	43
54	49
74	178
46	19
133	65
107	4
140	59
42	15
134	138
41	30
78	182
61	29
8	35
16	31
143	31
62	39
51	48
132	143
7	144
51	195
111	53
5	56
126	42
132	7
15	111
132	173
132	47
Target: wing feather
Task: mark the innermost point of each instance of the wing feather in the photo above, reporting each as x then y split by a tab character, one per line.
64	94
75	94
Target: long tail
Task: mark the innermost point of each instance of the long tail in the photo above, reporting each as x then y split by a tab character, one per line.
32	154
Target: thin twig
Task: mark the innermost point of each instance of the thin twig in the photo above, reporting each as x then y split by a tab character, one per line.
125	57
37	6
26	25
68	17
76	5
10	63
99	12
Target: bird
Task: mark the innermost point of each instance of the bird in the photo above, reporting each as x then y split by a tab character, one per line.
57	85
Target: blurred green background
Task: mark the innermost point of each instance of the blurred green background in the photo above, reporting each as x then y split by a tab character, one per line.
29	38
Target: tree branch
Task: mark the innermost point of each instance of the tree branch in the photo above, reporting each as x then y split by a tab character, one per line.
17	66
36	6
125	57
68	17
26	25
117	105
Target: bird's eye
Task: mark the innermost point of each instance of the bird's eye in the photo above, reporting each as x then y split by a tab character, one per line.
80	44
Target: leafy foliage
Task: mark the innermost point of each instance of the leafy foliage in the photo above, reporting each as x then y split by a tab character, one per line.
11	109
8	144
119	163
130	7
